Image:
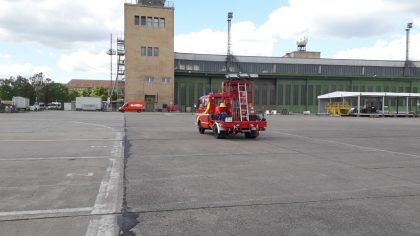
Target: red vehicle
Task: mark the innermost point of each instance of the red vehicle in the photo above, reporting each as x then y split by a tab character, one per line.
171	108
133	106
230	112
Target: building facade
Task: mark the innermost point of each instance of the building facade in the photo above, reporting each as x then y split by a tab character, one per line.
293	84
149	53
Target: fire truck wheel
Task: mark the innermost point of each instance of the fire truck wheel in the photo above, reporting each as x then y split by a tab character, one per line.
251	135
218	135
200	129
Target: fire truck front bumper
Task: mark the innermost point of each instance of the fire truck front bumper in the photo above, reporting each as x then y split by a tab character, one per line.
243	126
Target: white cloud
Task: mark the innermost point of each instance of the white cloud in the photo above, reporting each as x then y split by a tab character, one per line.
246	40
321	19
84	61
205	41
25	70
5	56
58	23
385	50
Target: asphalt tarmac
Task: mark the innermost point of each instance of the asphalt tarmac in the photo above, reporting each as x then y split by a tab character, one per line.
60	173
306	175
94	173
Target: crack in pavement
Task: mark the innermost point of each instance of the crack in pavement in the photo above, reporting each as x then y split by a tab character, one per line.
127	219
275	203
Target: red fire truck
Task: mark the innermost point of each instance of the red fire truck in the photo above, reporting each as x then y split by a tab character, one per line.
231	111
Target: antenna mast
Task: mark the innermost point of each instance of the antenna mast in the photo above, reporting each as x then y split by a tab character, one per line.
110	52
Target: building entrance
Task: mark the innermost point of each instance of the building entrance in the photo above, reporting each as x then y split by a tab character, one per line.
150	102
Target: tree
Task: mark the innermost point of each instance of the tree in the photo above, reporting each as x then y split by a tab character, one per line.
58	92
6	89
39	84
22	87
73	94
99	91
84	93
114	96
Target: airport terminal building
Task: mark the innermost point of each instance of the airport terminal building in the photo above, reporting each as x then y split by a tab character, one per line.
160	77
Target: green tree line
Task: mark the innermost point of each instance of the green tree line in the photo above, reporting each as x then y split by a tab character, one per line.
38	88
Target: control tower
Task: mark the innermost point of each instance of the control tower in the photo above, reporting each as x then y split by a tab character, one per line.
149	53
160	3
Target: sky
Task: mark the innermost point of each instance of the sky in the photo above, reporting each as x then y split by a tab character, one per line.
68	39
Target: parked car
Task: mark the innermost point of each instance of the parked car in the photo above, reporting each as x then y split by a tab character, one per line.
42	106
136	106
54	106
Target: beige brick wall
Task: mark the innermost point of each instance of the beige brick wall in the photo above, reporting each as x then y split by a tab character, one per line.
137	66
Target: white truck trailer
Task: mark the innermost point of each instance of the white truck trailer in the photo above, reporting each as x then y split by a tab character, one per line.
88	104
20	103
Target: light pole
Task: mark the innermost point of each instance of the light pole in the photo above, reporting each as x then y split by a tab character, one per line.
407	44
229	53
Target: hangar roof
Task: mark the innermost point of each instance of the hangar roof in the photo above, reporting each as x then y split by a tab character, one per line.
286	60
342	94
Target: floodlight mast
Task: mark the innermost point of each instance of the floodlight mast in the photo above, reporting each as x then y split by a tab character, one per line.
407	47
229	52
230	17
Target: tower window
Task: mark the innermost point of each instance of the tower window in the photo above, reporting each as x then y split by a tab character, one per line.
143	51
149	79
150	22
143	21
156	22
156	51
136	20
162	22
149	51
166	80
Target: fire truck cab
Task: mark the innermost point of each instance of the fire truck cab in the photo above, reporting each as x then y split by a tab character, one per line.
231	111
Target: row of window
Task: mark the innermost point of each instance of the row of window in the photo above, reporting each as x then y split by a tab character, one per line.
150	22
306	69
149	51
151	80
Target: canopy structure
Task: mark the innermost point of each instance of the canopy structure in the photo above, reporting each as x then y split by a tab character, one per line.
381	97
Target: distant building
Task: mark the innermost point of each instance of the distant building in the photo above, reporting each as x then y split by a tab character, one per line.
149	53
90	84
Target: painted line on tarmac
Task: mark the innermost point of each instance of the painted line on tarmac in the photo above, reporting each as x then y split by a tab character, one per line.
54	140
45	212
101	227
107	198
363	148
55	158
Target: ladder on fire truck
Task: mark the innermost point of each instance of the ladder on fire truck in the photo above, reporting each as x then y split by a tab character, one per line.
243	102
